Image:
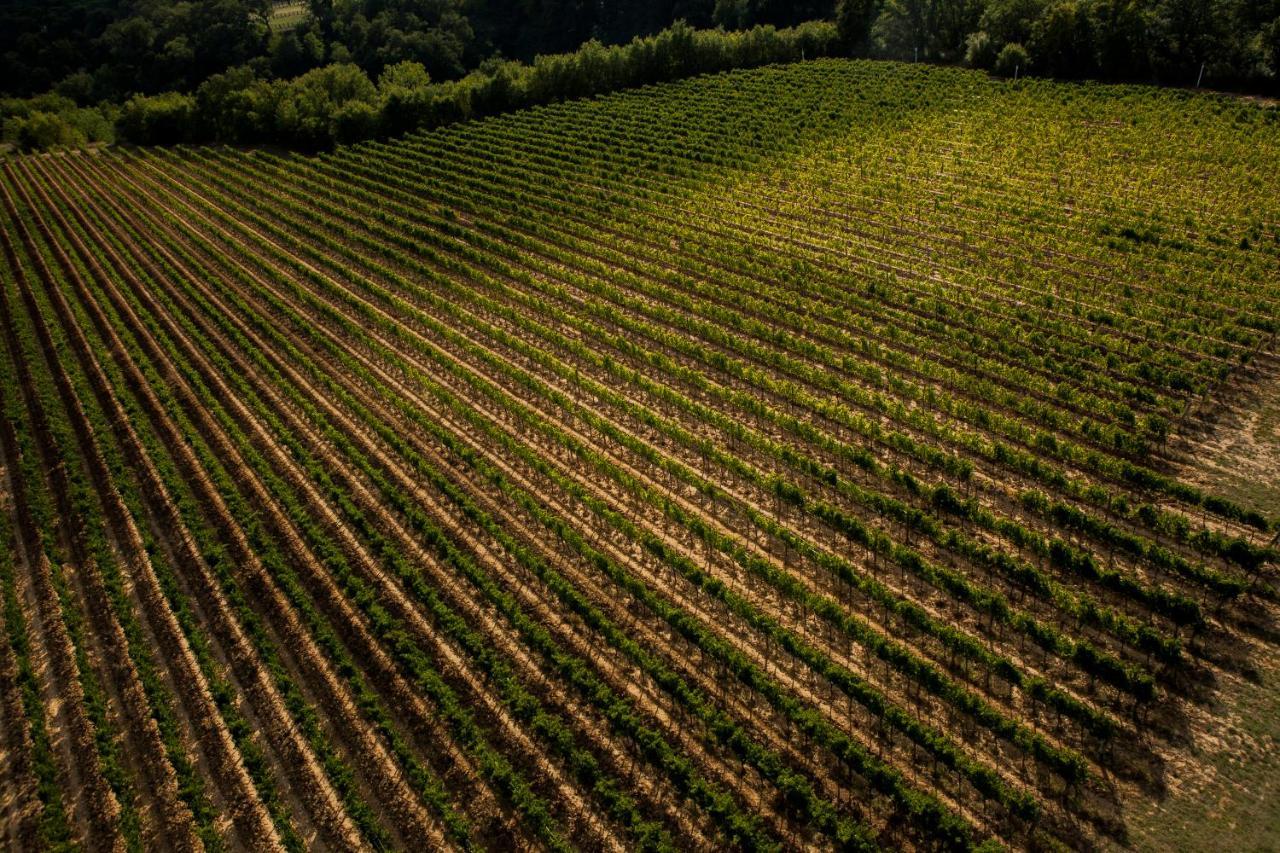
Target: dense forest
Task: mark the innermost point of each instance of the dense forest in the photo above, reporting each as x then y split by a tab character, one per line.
111	49
77	71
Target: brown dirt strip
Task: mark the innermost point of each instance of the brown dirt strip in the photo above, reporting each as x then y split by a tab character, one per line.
403	694
619	137
348	427
739	233
18	789
876	416
189	681
490	415
674	221
298	760
642	432
168	822
1235	528
389	782
689	426
91	804
323	402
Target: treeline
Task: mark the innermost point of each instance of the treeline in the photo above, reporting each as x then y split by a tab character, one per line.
522	29
217	70
361	94
340	103
96	50
56	121
1226	44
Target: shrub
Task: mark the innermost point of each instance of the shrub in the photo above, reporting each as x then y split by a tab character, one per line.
979	50
1012	61
42	130
158	119
353	121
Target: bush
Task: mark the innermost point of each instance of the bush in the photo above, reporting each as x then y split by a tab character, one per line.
354	121
42	130
52	121
78	87
308	109
158	119
979	50
1063	41
1012	61
1270	43
237	107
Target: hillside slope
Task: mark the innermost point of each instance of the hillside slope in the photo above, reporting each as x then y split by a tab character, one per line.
802	457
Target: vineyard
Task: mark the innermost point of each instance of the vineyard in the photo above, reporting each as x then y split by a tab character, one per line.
285	15
792	458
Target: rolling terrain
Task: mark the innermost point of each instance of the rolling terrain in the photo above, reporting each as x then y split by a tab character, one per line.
838	455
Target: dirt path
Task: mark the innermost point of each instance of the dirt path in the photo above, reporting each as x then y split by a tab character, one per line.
167	823
250	813
92	805
19	802
356	434
759	660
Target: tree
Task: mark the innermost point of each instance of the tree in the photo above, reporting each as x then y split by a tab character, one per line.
237	106
526	28
1062	41
129	46
403	89
1013	60
854	19
1122	42
979	50
223	34
41	130
1010	21
158	119
322	13
925	29
379	33
78	87
296	52
403	75
733	14
309	105
1270	37
902	29
1189	32
354	121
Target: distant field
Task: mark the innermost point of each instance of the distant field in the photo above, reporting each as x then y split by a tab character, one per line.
286	16
840	455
